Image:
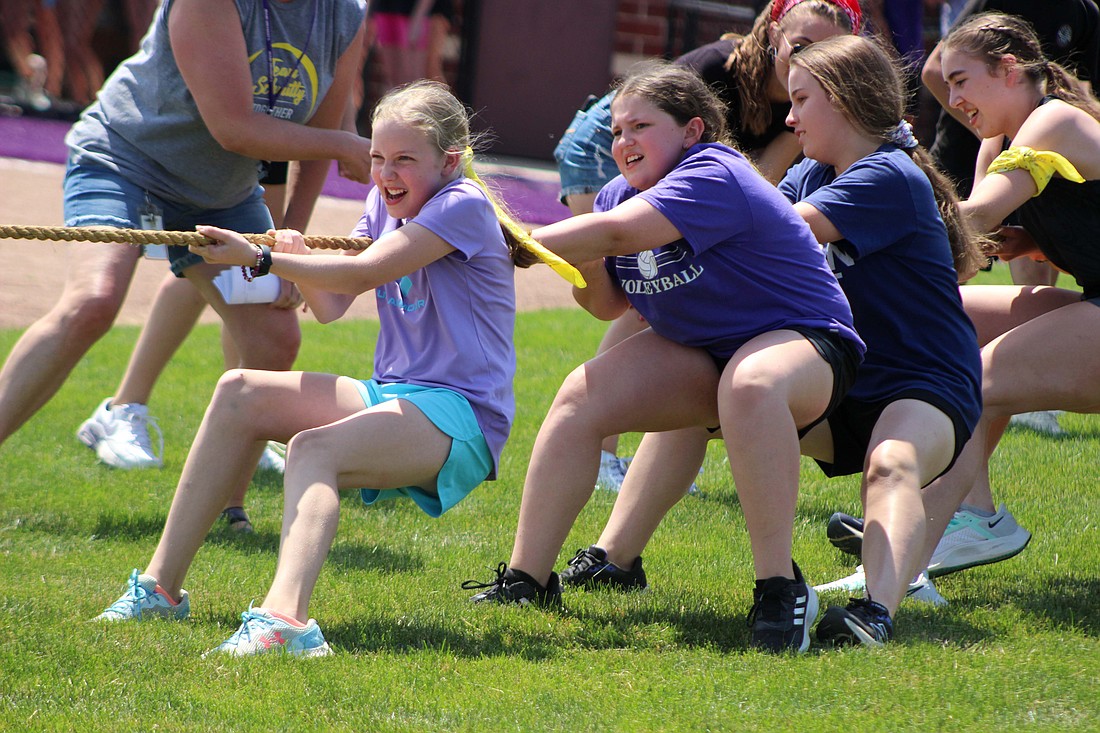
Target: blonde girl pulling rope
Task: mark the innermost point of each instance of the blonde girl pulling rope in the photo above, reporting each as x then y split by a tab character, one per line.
429	425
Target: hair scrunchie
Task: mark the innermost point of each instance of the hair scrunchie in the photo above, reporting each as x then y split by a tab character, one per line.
850	8
556	263
903	136
1041	164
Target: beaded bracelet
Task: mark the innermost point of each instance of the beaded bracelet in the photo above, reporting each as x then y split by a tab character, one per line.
251	273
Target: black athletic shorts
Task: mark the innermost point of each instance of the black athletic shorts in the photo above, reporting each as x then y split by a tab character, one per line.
853	421
840	353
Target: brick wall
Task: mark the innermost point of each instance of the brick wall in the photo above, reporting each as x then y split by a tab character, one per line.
642	27
647	28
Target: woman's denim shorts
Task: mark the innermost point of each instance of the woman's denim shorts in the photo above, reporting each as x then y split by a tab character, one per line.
583	154
99	196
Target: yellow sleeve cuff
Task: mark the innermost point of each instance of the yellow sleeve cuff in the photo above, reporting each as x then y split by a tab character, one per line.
1041	164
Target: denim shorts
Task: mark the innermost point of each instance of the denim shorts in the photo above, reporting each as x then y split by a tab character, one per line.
99	196
583	154
469	461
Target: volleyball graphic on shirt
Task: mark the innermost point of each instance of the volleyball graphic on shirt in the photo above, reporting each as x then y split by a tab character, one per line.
647	264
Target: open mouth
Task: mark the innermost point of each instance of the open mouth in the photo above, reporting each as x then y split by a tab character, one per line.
634	158
393	195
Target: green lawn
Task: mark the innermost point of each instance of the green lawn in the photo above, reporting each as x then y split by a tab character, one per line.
1017	647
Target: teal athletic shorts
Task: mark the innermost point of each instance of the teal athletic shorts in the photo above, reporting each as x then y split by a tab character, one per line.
469	462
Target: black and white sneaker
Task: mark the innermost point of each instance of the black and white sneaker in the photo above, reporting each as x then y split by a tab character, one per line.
516	586
845	532
782	612
589	568
862	622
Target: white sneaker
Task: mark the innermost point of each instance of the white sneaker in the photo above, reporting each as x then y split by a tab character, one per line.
1043	421
612	472
123	436
971	540
611	476
920	588
92	430
273	458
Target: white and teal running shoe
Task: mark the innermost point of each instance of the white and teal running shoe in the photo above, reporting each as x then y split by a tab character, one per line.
972	540
145	599
262	632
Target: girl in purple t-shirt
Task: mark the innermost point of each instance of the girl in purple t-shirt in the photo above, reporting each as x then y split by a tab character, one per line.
441	267
749	332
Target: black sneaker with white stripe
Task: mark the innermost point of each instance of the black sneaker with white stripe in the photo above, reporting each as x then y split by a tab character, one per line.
782	612
863	621
516	586
589	568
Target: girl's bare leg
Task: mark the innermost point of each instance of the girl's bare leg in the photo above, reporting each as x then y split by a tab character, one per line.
248	408
774	384
624	389
660	475
911	444
371	449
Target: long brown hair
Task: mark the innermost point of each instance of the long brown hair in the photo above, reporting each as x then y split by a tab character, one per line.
752	61
864	82
992	36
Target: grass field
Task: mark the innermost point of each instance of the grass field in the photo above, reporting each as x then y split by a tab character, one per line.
1017	648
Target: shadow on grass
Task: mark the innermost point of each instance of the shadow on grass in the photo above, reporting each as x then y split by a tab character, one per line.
1064	601
399	635
700	629
148	527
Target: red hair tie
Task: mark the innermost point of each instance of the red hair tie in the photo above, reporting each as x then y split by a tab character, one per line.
850	7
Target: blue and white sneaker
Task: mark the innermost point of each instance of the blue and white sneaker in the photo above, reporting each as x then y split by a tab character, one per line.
261	632
273	458
612	472
145	599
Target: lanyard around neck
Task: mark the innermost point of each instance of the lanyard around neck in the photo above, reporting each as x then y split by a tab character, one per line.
272	96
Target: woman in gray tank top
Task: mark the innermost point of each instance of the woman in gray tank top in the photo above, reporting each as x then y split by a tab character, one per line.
174	140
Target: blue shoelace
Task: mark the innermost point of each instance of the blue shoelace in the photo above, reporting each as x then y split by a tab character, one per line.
245	631
132	598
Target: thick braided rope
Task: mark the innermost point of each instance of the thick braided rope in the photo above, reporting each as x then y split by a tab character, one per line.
149	236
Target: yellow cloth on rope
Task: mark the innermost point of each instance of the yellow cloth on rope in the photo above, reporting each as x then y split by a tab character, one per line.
1041	164
557	264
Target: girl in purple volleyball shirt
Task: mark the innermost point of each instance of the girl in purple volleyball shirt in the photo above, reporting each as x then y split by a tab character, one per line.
429	425
749	333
